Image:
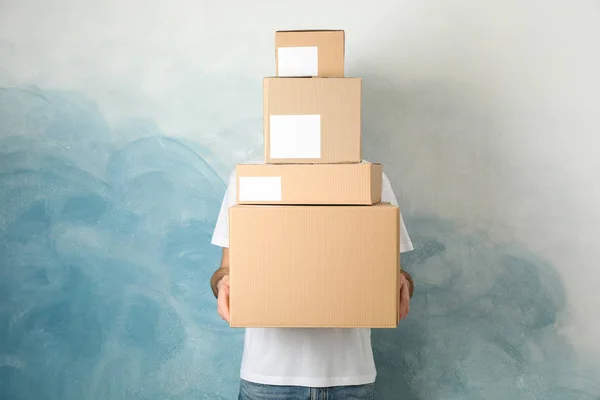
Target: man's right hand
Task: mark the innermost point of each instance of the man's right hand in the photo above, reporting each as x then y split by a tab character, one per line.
223	298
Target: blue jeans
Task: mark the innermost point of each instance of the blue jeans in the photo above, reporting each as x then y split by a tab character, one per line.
257	391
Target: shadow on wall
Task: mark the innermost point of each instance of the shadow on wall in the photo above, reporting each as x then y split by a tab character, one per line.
105	261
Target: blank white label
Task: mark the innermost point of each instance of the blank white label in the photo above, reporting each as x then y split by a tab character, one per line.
260	188
298	61
295	136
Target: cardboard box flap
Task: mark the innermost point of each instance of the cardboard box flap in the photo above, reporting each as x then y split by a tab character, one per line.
309	30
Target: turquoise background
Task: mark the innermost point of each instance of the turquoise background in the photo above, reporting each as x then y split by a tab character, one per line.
105	262
121	120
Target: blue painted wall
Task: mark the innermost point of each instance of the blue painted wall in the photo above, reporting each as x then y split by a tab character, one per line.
105	259
105	262
119	122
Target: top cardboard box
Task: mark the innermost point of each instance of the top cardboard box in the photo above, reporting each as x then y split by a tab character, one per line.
309	53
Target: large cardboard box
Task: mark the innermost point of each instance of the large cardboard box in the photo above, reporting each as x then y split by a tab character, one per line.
312	120
314	266
309	53
309	184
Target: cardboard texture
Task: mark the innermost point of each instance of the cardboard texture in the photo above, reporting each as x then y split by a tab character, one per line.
312	120
296	184
314	266
311	243
309	53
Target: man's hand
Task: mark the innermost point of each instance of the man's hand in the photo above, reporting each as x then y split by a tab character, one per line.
223	298
405	293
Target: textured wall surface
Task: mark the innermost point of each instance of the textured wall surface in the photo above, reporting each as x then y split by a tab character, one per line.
120	120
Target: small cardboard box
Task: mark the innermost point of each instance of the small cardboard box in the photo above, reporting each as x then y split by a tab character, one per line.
309	53
314	266
296	184
312	120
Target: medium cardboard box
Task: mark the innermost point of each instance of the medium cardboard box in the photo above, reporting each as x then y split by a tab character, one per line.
312	120
314	266
309	184
309	53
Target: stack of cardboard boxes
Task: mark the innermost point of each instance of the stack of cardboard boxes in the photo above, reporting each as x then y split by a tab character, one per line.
311	244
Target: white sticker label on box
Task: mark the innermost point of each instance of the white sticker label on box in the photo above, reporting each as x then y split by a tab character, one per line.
260	188
298	61
295	136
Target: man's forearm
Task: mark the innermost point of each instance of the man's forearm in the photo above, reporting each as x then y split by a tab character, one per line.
216	277
411	283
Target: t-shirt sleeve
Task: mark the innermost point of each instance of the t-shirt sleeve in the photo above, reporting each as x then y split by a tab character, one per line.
220	235
388	196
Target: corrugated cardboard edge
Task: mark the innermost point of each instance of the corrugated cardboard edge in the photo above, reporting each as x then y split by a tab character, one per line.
266	123
306	161
398	233
366	326
308	30
360	120
231	276
376	176
237	189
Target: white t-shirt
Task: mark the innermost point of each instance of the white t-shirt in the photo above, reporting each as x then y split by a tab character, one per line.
306	356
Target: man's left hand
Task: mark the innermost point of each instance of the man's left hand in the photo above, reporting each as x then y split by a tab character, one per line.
405	290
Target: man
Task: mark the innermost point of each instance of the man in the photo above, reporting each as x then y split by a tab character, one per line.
303	364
